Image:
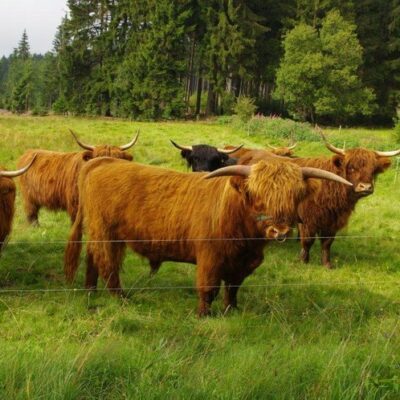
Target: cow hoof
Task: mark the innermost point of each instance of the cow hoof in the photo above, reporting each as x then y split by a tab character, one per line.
304	257
230	308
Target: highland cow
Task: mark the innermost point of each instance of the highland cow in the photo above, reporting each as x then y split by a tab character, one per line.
203	157
53	181
220	224
329	210
7	200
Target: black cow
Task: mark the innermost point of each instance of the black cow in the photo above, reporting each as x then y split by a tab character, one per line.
203	157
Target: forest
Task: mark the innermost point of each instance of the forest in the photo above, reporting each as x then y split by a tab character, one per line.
325	61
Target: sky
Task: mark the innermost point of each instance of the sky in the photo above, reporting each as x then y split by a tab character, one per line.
40	18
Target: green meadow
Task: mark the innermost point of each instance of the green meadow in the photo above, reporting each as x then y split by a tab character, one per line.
301	331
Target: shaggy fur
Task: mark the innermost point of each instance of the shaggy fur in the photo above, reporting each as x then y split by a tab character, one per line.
52	181
182	217
7	200
281	151
329	210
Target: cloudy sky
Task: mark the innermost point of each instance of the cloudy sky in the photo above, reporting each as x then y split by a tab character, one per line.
40	18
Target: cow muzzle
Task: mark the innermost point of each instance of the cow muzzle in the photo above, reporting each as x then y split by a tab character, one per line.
278	234
364	189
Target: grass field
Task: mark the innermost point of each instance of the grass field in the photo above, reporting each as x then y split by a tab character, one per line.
302	332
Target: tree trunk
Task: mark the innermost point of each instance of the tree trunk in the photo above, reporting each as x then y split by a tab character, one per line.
199	91
210	110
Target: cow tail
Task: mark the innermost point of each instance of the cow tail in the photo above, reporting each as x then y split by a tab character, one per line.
74	247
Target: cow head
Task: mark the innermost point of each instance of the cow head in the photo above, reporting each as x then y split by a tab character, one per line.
283	151
106	150
7	199
360	166
203	157
272	190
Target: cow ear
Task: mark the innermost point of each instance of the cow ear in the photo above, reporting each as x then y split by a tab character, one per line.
87	155
338	160
127	156
187	155
237	182
224	157
383	164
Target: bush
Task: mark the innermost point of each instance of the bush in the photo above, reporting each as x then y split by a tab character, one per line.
278	128
227	103
397	130
244	108
39	111
60	106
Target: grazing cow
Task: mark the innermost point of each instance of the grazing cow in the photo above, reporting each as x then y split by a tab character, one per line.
203	157
7	200
219	224
279	151
53	181
329	210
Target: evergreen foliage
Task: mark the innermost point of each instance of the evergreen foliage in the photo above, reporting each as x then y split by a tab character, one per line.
319	73
336	60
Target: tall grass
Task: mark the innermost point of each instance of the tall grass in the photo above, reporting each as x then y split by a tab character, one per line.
302	332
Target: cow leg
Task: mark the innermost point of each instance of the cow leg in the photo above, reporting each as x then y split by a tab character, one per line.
154	266
326	243
230	296
208	286
92	274
307	240
233	283
32	211
108	258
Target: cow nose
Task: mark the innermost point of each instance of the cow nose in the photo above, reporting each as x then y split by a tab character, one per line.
281	237
364	188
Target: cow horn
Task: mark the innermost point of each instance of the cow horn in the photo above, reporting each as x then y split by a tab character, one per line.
271	147
178	146
13	174
387	153
292	146
83	145
131	143
309	172
224	151
331	147
240	170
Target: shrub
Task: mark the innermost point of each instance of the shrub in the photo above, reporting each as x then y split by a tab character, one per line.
397	130
244	108
278	128
60	106
227	103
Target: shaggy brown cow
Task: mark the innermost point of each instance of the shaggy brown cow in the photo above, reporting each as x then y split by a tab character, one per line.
279	151
219	224
7	200
329	210
53	180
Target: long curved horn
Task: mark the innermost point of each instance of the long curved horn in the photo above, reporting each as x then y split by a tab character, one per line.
309	172
13	174
224	151
271	147
131	143
387	153
178	146
83	145
331	147
238	170
292	146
